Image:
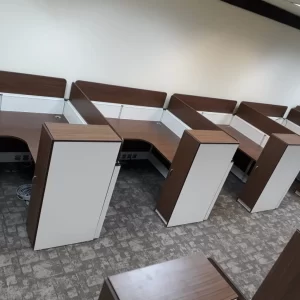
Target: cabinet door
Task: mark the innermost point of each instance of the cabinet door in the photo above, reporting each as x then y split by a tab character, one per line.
175	180
39	183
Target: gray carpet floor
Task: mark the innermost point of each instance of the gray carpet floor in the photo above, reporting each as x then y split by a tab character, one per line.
246	245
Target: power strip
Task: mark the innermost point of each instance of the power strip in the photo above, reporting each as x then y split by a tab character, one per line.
7	157
133	155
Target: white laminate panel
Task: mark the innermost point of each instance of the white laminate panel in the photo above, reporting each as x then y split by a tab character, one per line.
264	141
248	130
217	118
202	184
173	123
47	105
77	185
72	115
218	190
292	126
107	200
109	110
280	181
158	165
278	120
143	113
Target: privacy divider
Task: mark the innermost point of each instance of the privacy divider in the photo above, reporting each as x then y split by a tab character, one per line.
138	117
257	134
33	110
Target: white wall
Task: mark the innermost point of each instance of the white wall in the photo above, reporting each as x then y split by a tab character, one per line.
203	47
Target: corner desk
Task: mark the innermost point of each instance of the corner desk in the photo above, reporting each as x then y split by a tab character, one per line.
197	160
33	110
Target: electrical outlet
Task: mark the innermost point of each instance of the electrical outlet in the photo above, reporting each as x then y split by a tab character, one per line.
26	157
18	157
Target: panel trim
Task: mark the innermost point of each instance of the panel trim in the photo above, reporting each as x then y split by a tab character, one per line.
26	84
267	10
121	94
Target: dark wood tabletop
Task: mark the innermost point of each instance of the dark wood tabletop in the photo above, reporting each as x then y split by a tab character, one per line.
247	146
155	133
189	278
26	126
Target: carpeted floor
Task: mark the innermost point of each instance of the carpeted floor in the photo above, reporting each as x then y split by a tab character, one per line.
246	245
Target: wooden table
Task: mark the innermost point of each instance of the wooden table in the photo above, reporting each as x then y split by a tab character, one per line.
247	146
155	133
189	278
26	127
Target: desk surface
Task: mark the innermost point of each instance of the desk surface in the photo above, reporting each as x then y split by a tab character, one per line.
156	133
189	278
247	146
26	126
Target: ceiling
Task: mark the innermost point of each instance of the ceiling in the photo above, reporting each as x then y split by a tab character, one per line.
286	5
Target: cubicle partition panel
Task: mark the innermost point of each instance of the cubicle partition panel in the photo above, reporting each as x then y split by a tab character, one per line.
273	173
198	171
275	168
218	111
273	111
253	125
70	196
131	111
138	116
26	102
292	121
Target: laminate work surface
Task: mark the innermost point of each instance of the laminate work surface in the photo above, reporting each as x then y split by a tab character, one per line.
79	132
247	146
155	133
212	137
189	278
26	127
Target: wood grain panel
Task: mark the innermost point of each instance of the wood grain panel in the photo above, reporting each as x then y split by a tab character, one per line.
78	132
268	10
190	116
262	171
282	282
85	107
26	127
155	133
39	183
247	146
121	94
294	116
179	170
18	83
289	139
186	278
269	110
200	103
259	120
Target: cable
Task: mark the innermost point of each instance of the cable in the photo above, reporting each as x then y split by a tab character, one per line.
24	192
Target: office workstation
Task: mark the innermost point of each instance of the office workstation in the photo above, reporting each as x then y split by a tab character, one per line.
267	158
189	159
34	112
